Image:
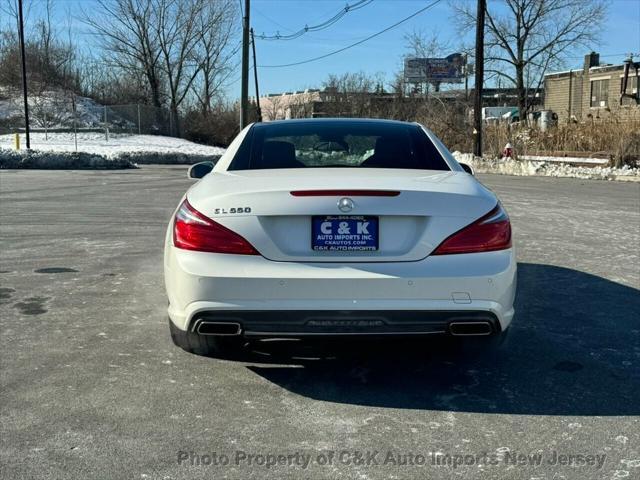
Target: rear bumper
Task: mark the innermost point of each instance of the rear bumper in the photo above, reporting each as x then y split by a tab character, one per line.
303	323
270	298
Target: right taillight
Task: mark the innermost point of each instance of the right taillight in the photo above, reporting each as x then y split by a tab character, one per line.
489	233
194	231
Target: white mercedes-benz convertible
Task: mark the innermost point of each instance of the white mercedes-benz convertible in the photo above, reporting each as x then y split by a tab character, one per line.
336	227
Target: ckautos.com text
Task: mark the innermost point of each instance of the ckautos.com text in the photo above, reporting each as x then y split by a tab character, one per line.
376	458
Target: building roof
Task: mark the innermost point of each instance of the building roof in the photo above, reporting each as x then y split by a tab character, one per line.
600	68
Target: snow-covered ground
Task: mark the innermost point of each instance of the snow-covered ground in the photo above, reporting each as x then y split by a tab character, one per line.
550	167
92	142
54	109
579	160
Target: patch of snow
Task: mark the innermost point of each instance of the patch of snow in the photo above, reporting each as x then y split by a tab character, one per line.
93	142
543	158
54	109
9	109
620	474
547	168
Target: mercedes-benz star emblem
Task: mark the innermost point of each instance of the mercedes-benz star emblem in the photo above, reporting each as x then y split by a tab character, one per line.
345	205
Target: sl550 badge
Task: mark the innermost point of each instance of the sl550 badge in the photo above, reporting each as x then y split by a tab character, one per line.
224	211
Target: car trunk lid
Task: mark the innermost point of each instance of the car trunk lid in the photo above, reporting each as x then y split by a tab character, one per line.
414	211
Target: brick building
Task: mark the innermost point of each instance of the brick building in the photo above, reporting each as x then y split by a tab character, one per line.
593	91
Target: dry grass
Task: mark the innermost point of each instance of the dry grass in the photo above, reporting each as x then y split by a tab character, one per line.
615	140
627	150
585	137
611	138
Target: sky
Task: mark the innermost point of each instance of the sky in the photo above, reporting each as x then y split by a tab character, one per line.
384	53
380	55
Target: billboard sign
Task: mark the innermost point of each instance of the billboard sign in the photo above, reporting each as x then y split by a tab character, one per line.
444	70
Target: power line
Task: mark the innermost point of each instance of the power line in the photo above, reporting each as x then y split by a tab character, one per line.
237	79
326	24
264	15
360	42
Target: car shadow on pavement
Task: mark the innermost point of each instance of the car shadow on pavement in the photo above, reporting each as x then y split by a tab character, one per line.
573	349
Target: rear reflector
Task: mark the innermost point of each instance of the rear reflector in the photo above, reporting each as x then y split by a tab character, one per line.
345	193
489	233
193	231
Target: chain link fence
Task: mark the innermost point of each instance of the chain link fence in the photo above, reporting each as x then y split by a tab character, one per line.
54	116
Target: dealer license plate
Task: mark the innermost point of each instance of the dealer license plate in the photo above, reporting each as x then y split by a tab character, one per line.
344	233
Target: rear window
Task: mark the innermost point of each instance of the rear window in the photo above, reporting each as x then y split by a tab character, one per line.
337	144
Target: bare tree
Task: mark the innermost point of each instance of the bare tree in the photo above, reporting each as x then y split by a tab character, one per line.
272	107
109	85
216	30
301	106
351	94
127	34
178	29
526	37
50	60
420	43
51	63
181	47
9	9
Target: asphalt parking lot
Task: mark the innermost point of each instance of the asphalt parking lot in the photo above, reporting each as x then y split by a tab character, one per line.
91	386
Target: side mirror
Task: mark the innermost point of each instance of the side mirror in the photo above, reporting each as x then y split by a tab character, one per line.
199	170
465	167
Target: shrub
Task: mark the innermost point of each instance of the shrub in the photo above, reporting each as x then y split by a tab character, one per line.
628	150
217	128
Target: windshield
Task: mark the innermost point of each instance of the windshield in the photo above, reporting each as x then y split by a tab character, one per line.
326	144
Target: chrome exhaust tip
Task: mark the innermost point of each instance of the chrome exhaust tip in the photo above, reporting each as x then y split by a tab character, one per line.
218	328
470	328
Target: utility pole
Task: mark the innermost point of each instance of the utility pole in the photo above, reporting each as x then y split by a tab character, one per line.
570	94
477	101
255	76
466	77
244	94
24	74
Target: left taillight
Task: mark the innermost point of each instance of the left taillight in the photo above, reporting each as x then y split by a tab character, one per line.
487	234
194	231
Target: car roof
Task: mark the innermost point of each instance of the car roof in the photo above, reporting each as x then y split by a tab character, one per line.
335	121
